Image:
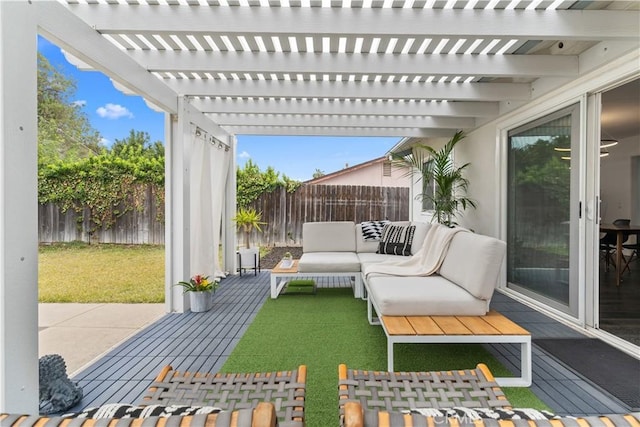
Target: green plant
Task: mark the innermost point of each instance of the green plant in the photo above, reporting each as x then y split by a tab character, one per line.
450	186
247	219
199	283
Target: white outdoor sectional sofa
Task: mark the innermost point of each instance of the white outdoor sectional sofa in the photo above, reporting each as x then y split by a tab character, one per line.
463	285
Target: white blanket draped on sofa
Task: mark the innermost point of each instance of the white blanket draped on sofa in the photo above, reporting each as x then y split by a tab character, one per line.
425	262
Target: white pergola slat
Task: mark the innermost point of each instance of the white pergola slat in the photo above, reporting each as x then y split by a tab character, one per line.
328	21
338	131
353	90
350	63
340	120
346	107
64	28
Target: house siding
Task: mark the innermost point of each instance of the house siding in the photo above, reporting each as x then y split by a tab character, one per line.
371	175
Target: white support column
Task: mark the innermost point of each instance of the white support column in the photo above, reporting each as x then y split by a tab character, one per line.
230	241
177	211
18	209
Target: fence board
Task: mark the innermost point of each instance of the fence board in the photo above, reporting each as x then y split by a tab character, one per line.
284	213
138	226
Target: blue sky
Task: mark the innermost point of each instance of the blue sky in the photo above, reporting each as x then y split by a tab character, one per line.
114	114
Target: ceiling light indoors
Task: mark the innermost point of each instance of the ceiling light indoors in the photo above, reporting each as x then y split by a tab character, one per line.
606	143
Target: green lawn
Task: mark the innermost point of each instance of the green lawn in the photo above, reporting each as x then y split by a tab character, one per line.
101	273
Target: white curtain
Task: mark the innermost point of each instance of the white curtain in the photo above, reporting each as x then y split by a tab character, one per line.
209	165
220	156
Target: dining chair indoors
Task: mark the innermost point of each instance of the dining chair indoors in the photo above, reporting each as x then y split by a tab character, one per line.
608	244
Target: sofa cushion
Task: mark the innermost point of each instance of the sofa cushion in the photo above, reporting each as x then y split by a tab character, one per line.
336	236
422	296
474	262
471	414
125	410
374	258
419	235
328	262
371	246
372	230
396	239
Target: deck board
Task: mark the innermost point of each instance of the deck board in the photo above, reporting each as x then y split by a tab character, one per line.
126	371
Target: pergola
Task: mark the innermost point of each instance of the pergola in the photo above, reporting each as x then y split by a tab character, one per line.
220	68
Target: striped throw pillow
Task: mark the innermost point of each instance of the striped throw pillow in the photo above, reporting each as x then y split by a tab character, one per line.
396	240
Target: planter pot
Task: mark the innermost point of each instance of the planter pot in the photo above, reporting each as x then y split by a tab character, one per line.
201	301
249	257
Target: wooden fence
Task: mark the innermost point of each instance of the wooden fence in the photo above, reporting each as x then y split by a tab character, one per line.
137	226
284	214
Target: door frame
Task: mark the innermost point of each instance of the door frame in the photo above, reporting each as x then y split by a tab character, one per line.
615	73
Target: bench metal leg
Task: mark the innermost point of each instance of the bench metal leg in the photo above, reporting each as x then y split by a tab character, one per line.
370	310
525	378
277	286
357	286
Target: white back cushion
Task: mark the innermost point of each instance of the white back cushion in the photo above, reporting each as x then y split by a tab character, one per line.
329	236
419	235
474	262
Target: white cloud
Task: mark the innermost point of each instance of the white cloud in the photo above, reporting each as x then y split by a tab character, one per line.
244	155
105	141
80	103
114	111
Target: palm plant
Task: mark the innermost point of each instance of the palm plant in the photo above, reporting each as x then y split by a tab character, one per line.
449	195
248	219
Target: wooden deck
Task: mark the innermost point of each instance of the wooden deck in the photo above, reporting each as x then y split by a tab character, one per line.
202	342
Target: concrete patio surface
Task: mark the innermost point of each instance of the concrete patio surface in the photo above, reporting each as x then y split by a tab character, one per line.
81	333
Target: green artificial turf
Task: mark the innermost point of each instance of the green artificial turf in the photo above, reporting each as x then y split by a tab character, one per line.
324	330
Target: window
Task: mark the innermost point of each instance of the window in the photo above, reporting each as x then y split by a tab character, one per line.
428	188
541	224
386	168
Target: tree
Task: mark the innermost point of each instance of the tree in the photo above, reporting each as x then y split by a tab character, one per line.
450	186
251	182
64	131
137	144
318	174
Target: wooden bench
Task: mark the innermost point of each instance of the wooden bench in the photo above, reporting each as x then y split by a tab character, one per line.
491	328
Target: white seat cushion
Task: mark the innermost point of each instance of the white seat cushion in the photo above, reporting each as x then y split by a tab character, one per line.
373	258
422	296
329	262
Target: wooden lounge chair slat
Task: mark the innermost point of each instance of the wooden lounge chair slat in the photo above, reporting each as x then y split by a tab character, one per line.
398	391
504	325
478	325
425	325
398	325
451	326
264	415
231	391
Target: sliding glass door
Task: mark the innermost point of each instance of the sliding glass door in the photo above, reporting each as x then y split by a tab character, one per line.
543	209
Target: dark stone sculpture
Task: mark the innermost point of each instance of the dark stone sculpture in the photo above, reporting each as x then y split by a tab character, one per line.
57	392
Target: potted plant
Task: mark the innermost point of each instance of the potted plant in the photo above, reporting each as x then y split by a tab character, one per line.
448	195
201	290
248	219
287	260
